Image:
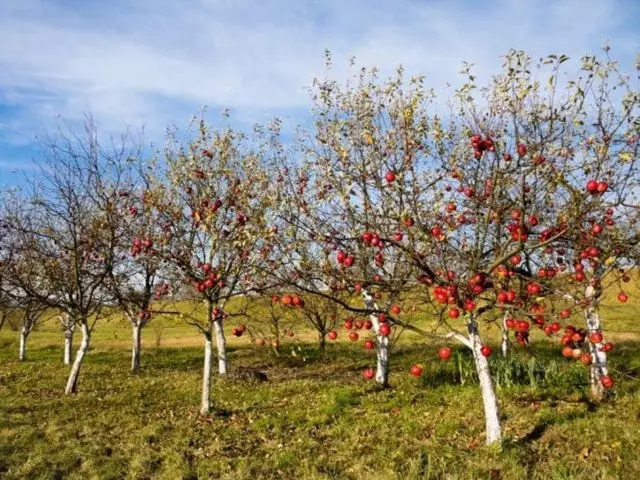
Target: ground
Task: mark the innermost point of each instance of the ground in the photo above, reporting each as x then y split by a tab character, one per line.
314	417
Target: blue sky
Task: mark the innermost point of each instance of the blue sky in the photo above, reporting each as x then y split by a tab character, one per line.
157	62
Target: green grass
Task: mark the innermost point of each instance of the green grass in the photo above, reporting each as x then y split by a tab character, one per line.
314	418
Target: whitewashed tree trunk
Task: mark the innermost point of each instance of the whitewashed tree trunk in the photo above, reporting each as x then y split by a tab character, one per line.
504	346
68	344
72	382
135	350
599	358
205	404
24	333
489	400
221	345
69	326
382	345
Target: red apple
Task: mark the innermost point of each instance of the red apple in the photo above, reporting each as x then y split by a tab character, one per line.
595	337
416	370
444	353
533	288
607	347
607	382
368	373
486	351
586	359
332	335
592	186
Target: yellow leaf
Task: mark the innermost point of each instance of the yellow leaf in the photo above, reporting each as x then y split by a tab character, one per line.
625	156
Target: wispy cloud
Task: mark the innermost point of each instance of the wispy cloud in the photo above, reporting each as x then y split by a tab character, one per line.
156	62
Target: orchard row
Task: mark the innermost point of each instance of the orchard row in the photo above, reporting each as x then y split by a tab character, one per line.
516	206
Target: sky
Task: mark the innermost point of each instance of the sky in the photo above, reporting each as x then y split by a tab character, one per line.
156	63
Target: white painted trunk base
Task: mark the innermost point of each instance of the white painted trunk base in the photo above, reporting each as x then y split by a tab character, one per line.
135	348
504	346
221	345
22	354
68	346
72	381
489	400
382	354
69	327
205	404
382	345
599	366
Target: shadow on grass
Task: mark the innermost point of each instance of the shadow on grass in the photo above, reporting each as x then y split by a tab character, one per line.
543	425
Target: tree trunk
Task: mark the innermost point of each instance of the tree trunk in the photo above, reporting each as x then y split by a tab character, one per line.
382	345
68	344
221	344
504	346
599	358
205	404
135	352
489	401
322	342
72	382
24	333
382	354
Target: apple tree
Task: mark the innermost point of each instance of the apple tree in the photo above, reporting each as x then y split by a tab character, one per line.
138	277
61	230
343	211
214	210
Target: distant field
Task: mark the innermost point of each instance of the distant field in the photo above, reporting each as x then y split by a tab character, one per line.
314	417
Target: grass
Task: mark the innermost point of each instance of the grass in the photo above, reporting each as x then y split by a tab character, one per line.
314	418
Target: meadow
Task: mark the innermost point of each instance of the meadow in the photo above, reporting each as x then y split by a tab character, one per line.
313	416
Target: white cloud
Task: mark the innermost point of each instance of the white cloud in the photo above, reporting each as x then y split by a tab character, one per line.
158	62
